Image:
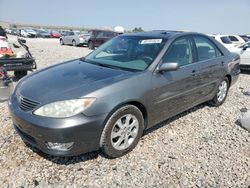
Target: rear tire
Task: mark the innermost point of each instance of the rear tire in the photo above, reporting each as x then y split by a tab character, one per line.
221	94
122	131
74	43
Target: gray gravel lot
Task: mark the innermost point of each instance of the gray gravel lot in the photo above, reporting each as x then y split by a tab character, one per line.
203	147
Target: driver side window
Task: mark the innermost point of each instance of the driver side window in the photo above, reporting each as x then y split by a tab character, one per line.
180	52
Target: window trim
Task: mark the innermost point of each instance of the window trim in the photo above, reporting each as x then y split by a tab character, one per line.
217	49
189	39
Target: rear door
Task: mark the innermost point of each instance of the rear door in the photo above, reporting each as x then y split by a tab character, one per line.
175	91
68	37
210	61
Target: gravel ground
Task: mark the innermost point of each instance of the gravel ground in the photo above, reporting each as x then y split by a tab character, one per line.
202	147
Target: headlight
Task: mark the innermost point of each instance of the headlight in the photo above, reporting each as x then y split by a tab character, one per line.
64	109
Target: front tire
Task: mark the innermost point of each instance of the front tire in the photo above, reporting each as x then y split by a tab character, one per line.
122	131
61	42
221	94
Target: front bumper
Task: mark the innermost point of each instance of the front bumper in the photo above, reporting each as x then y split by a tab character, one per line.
84	131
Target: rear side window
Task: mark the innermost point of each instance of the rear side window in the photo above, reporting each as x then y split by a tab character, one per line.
206	49
226	40
233	38
180	51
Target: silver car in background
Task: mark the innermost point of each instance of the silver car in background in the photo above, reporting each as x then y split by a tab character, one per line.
74	38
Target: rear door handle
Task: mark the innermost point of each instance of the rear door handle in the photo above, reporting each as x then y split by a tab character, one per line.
223	63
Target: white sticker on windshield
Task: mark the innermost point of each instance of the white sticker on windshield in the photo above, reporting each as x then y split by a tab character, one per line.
151	41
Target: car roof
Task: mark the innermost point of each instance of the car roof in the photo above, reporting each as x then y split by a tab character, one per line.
159	33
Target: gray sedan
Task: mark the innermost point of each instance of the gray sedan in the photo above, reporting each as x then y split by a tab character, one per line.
107	99
74	38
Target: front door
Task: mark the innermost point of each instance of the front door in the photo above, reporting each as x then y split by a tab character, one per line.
175	91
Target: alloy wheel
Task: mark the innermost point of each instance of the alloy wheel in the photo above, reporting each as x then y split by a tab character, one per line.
222	91
124	132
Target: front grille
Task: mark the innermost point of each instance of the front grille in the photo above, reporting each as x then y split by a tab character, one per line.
27	104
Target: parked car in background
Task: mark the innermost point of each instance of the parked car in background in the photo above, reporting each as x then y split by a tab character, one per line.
129	84
236	39
98	37
63	32
84	38
244	52
224	40
42	33
8	31
28	33
74	38
245	38
14	31
55	34
3	32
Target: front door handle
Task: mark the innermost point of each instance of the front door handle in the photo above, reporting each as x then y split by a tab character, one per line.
194	73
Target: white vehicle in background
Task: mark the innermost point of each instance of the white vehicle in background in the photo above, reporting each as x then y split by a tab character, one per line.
244	52
236	39
224	40
28	33
119	29
8	31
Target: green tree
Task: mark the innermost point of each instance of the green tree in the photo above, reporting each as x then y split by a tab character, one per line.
139	29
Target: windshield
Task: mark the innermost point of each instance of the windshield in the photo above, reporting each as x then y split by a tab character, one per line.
127	52
226	40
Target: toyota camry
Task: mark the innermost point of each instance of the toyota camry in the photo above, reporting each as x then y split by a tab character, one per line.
107	99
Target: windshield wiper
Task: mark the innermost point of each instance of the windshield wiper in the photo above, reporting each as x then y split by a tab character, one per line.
107	65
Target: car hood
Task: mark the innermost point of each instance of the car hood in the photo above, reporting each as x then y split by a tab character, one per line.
73	79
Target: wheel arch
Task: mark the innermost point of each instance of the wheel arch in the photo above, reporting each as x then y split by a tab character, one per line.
137	104
229	77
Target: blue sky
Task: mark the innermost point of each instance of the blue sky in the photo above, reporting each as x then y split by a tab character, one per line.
208	16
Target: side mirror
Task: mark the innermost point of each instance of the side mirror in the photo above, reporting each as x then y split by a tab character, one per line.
168	67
